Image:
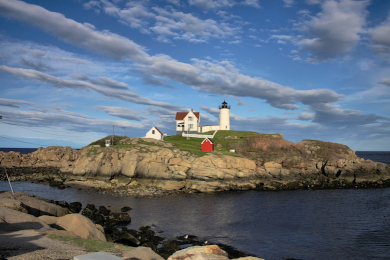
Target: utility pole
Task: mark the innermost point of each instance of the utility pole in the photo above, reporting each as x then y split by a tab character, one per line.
123	130
113	126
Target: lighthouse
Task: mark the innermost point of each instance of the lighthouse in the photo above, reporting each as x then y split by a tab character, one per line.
224	117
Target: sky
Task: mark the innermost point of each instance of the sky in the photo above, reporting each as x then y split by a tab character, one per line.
308	69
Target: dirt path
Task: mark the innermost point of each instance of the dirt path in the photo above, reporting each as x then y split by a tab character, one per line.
30	244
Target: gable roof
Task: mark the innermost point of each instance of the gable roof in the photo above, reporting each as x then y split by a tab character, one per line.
211	140
182	115
157	130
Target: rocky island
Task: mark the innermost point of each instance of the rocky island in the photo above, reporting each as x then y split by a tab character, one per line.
146	167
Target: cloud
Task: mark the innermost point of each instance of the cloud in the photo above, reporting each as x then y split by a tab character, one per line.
14	103
107	82
36	66
169	23
73	32
251	3
179	25
64	119
380	36
125	113
334	31
346	117
385	82
150	79
288	3
214	78
135	14
212	4
82	85
218	4
313	2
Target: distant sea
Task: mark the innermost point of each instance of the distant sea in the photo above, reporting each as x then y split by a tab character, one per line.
376	156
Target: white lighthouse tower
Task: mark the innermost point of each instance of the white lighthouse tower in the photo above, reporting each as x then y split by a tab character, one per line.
224	117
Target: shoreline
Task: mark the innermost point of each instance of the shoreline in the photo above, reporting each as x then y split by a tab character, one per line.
152	192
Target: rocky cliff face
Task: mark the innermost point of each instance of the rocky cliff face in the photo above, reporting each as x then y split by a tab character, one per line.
168	169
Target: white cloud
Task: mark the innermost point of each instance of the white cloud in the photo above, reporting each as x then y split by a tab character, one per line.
212	4
288	3
66	120
335	30
209	77
313	2
125	113
14	103
380	36
385	82
169	23
82	85
107	82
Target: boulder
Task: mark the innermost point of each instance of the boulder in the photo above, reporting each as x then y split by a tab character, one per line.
13	204
12	220
141	252
81	226
35	205
248	258
50	220
212	252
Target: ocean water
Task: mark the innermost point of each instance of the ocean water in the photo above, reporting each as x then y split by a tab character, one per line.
322	224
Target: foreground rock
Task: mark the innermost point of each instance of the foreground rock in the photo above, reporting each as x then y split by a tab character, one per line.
81	227
31	204
144	253
146	170
212	252
12	220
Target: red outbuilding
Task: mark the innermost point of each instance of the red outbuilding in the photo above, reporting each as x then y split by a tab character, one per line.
207	145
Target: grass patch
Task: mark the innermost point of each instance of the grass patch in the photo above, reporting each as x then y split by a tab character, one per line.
92	244
102	142
93	151
193	145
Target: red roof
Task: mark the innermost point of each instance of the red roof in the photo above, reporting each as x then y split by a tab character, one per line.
182	115
158	130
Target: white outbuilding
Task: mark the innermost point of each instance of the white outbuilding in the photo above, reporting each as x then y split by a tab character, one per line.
155	133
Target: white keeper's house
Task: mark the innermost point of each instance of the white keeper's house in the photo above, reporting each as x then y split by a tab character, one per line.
188	122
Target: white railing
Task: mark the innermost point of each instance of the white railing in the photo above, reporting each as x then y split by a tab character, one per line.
199	136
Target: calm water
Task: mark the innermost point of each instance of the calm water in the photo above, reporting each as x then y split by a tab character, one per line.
323	224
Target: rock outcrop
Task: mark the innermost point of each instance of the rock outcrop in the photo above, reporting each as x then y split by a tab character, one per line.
155	169
81	226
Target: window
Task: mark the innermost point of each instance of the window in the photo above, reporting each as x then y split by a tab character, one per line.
190	118
153	132
190	126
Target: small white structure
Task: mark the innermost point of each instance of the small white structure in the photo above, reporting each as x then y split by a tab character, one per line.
155	133
208	128
108	142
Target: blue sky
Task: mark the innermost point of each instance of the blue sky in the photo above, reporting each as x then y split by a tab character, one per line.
308	69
